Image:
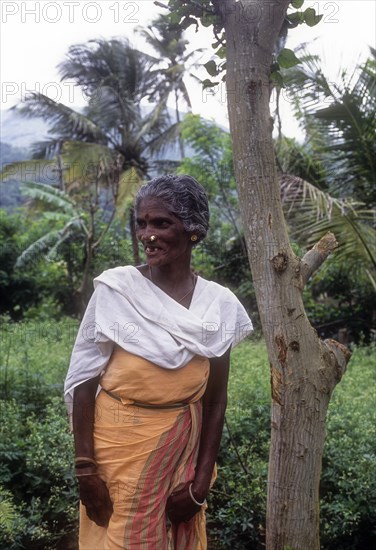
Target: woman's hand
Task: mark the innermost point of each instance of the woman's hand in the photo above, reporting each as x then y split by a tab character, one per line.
93	491
180	507
95	497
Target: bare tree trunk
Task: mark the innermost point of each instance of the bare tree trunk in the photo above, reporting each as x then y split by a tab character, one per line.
178	121
132	228
304	370
82	294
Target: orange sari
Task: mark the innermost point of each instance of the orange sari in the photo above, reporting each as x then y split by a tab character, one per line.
146	435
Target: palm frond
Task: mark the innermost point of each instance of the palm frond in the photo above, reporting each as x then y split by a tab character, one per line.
64	121
312	213
69	229
167	138
112	64
340	124
88	163
357	239
300	159
46	149
298	194
129	183
50	196
38	249
46	247
152	121
372	279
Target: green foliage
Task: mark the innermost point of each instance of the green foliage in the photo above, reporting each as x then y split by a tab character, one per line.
348	491
311	18
339	123
341	299
36	466
10	195
100	155
348	486
238	499
335	191
12	522
15	287
297	4
222	256
331	304
166	37
45	283
36	449
39	495
287	59
24	290
209	13
211	164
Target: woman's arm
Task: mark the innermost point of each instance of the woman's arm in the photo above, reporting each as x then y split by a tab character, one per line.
213	415
180	507
93	491
83	417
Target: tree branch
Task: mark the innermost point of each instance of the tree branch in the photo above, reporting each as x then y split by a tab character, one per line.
220	10
340	356
313	259
160	5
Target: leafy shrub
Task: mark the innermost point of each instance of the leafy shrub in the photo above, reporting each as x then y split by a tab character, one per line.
12	523
36	457
36	451
339	300
348	487
46	288
348	484
238	498
38	494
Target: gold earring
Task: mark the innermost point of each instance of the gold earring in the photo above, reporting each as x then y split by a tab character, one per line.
194	238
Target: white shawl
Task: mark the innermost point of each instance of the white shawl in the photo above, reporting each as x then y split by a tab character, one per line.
131	311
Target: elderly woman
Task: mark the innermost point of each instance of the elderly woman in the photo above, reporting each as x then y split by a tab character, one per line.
148	383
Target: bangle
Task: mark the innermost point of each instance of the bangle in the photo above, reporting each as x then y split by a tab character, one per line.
84	459
82	465
193	498
87	474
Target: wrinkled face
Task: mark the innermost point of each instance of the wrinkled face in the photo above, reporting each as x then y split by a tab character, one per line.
172	243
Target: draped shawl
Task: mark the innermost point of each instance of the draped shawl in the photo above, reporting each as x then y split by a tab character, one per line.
129	310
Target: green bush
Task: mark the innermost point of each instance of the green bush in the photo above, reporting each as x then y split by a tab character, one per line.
12	522
348	484
36	466
340	300
348	487
36	451
238	498
38	495
46	287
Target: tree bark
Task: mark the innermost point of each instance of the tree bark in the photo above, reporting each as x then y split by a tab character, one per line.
304	370
132	228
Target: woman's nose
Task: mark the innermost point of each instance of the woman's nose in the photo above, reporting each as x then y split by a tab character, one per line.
145	234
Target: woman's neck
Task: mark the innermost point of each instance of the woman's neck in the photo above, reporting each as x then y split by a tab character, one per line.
171	276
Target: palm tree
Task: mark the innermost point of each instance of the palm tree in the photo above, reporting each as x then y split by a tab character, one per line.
328	181
340	124
118	81
166	38
104	150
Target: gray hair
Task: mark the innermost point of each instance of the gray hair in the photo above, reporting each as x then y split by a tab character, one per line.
184	197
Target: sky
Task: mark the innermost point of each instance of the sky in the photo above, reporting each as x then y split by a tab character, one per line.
35	36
